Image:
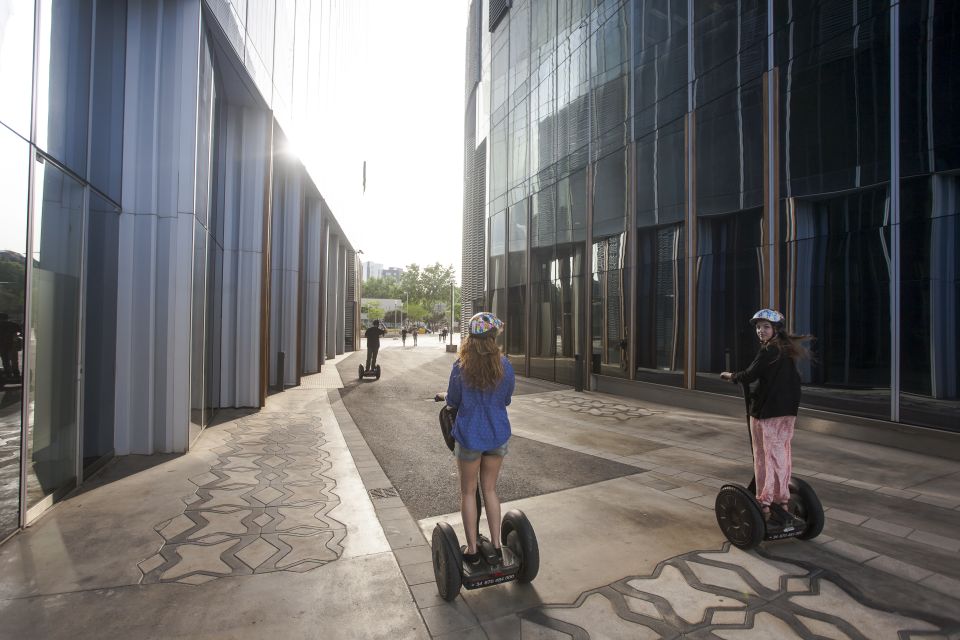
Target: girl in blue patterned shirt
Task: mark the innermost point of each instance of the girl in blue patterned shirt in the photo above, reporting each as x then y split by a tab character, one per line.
480	388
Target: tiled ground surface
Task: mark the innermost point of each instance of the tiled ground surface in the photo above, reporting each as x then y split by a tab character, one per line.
728	595
262	506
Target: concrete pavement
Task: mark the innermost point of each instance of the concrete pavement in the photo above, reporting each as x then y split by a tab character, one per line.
283	523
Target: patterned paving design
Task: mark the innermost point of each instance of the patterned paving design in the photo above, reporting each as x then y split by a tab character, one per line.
261	508
726	595
595	406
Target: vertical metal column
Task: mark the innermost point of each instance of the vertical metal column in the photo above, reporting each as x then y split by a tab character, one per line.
894	219
691	211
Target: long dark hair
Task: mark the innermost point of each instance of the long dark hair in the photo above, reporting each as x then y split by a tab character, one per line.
793	345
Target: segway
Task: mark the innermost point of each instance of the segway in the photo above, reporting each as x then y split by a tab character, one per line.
740	514
521	554
369	373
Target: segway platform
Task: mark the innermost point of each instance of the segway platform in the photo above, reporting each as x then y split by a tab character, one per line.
369	373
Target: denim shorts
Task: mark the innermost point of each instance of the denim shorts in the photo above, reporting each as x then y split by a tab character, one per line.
470	455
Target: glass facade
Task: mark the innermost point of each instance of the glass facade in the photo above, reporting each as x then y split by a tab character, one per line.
727	156
113	331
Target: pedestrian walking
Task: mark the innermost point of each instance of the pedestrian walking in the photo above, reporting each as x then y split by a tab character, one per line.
416	332
773	408
480	388
403	336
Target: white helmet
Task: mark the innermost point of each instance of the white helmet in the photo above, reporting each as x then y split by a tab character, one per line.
770	315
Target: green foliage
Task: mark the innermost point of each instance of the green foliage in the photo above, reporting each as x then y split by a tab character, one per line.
382	288
417	312
374	311
12	287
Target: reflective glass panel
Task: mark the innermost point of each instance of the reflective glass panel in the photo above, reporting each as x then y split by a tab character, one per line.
53	335
729	288
14	166
660	304
834	273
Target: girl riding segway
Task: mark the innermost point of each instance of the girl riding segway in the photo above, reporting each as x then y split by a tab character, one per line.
481	386
772	410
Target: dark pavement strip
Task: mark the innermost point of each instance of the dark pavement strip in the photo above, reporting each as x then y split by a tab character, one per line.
398	419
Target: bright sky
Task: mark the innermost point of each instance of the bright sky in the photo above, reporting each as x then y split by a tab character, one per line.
400	108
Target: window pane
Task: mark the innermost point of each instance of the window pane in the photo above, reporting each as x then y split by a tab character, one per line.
109	68
835	274
14	166
729	287
53	333
660	305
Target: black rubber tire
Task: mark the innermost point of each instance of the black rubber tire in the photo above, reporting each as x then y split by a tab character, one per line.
378	372
739	517
447	561
517	533
806	505
360	377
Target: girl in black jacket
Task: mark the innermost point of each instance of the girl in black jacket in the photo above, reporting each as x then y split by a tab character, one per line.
773	408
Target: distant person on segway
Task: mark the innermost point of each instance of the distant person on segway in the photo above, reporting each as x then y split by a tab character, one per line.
481	386
373	343
773	410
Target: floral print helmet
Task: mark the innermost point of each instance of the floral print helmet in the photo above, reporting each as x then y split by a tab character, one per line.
772	316
483	323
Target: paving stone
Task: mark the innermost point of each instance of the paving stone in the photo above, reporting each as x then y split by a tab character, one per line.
765	626
872	623
887	527
860	484
720	577
598	618
413	555
941	583
897	493
766	572
687	602
934	540
831	478
822	628
707	501
845	516
850	551
899	568
426	595
449	617
938	501
685	492
418	573
643	607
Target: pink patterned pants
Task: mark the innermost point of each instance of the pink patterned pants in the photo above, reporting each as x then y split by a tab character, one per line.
772	459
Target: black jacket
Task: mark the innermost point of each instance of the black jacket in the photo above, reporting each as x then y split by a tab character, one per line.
373	336
778	390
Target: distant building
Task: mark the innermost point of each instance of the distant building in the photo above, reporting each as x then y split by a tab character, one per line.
392	272
372	270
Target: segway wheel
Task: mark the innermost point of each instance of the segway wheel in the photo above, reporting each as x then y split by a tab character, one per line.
377	375
806	505
447	561
739	517
360	376
517	533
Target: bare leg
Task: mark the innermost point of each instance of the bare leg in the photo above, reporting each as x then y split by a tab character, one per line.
489	471
468	501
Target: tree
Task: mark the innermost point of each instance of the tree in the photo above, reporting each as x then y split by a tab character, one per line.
374	311
386	288
416	311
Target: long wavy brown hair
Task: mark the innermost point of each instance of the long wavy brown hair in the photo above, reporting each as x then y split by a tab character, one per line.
793	345
480	362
